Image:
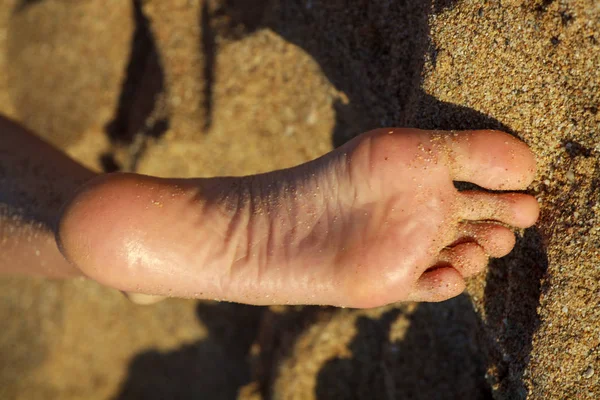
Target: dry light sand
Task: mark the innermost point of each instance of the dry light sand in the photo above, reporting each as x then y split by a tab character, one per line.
203	88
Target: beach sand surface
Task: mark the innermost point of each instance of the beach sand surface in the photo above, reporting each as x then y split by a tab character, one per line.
233	87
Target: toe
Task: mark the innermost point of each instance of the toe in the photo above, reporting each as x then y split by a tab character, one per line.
438	284
467	258
515	209
491	159
496	240
446	279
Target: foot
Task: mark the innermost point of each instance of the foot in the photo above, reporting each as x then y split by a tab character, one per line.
376	221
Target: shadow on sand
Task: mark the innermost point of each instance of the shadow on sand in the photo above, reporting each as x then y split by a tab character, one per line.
212	369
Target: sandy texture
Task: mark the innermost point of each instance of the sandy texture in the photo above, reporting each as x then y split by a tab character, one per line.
534	66
75	88
201	88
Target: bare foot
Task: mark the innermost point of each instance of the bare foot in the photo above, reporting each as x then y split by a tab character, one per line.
374	222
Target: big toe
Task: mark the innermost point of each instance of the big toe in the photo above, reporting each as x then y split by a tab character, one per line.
491	159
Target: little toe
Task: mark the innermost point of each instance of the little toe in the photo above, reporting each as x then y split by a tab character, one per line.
438	284
515	209
491	159
467	258
497	240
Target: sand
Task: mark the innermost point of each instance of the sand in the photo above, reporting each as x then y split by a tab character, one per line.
194	88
